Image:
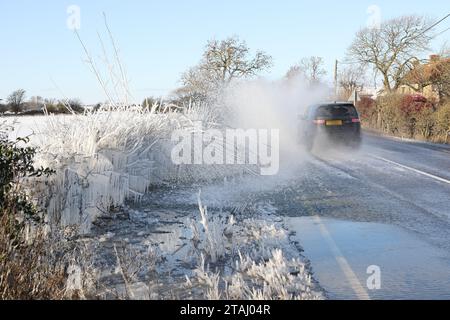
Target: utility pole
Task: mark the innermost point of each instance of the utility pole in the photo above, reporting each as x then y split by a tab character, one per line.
336	80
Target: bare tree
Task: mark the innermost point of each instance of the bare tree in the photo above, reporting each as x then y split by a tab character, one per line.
311	68
393	48
351	79
74	105
16	100
294	71
222	62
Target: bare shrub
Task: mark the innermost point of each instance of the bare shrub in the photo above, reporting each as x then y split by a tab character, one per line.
442	123
389	117
425	123
26	269
367	110
136	269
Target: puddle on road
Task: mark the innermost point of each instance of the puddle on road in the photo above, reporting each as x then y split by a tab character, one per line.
410	267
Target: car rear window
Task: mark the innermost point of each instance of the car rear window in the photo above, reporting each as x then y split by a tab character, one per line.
337	111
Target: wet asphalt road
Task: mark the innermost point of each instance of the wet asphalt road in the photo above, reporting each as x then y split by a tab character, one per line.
385	207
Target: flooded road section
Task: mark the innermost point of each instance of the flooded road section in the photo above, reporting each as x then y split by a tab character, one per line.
357	260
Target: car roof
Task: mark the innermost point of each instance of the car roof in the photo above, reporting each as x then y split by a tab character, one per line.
325	104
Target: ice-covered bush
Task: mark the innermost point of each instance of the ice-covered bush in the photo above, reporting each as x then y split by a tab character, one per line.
107	156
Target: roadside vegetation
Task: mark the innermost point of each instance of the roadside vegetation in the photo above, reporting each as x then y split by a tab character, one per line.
414	101
33	263
407	116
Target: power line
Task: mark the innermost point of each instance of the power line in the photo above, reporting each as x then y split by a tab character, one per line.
442	32
434	25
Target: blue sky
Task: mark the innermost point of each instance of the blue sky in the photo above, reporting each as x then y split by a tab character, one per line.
160	39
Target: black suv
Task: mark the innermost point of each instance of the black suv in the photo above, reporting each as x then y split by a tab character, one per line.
331	122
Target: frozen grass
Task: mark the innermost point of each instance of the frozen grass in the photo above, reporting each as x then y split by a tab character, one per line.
211	233
277	278
249	259
130	264
274	279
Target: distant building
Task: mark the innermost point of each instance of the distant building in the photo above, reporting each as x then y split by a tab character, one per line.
428	91
356	95
423	77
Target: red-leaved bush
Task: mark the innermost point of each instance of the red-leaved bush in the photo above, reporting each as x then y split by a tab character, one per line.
366	107
414	103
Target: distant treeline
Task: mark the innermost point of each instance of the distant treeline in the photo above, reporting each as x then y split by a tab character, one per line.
17	104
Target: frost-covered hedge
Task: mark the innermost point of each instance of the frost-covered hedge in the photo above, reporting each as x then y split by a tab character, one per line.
108	156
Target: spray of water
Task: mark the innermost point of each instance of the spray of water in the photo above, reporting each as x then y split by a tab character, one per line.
274	105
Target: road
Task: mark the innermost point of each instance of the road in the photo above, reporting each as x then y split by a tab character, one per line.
387	207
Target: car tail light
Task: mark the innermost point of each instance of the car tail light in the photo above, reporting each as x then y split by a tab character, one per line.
356	120
319	121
